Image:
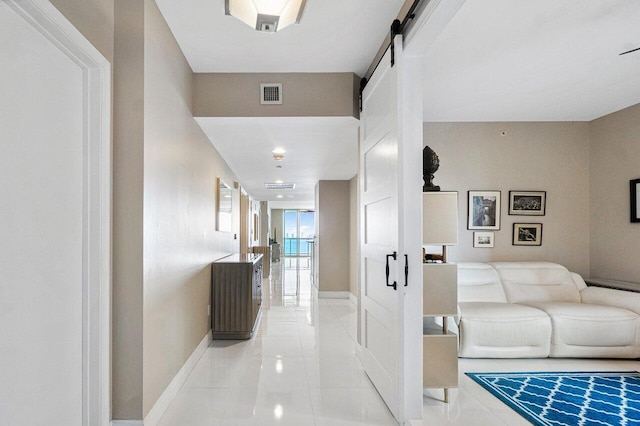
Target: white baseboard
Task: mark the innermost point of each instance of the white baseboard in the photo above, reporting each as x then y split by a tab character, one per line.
353	298
333	294
127	423
171	391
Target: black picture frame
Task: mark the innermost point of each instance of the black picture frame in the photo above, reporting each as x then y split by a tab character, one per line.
483	212
634	192
527	203
527	234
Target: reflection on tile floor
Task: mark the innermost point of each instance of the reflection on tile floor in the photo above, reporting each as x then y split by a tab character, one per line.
300	369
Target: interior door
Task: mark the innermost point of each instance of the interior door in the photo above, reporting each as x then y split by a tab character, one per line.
379	313
42	229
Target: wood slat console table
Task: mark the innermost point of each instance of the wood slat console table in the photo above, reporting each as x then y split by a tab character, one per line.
236	295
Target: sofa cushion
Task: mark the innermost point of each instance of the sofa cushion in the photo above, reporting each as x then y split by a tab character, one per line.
591	331
479	282
536	282
503	330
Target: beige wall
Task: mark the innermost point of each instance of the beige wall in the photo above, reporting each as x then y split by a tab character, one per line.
264	223
353	236
552	157
128	178
180	241
303	95
165	174
277	223
94	19
615	160
333	236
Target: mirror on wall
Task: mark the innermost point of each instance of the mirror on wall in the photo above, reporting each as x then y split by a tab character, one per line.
224	206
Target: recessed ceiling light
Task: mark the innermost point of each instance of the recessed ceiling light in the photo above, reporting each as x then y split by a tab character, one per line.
279	151
280	196
279	181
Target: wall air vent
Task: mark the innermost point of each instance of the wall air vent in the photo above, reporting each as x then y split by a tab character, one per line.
271	94
280	185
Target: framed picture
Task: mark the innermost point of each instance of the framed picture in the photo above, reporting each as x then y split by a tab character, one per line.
527	203
635	200
527	234
483	239
484	210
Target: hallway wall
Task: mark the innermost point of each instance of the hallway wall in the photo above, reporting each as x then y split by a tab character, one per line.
332	237
181	168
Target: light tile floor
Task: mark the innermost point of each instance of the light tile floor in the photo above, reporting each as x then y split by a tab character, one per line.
300	369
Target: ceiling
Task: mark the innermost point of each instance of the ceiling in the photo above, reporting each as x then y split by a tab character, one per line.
317	148
333	36
497	60
545	60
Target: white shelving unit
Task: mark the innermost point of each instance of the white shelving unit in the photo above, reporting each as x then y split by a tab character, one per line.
440	293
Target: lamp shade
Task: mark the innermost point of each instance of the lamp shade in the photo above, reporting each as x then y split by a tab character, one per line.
266	15
440	218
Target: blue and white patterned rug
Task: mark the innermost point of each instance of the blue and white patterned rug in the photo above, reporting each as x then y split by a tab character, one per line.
570	398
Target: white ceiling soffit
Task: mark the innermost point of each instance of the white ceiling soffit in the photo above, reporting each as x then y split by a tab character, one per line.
546	60
333	36
317	148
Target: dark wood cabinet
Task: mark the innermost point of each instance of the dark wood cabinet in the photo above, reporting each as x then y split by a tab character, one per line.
236	295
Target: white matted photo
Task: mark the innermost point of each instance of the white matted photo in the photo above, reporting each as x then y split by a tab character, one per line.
527	234
484	210
483	239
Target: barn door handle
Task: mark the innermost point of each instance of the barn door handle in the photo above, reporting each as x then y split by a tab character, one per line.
406	270
394	255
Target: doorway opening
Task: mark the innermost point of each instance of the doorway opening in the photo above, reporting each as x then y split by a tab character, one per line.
299	233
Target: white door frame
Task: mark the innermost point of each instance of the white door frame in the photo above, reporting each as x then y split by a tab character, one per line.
96	268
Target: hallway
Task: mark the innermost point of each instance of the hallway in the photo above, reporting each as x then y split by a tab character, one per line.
299	369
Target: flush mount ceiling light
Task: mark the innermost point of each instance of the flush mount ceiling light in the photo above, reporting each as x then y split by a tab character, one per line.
266	15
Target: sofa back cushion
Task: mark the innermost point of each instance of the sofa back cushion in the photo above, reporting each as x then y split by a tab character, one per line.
536	282
479	282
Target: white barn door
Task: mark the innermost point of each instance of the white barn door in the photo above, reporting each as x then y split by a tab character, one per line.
390	220
379	235
54	221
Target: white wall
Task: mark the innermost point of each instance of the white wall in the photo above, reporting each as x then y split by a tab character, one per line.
615	160
552	157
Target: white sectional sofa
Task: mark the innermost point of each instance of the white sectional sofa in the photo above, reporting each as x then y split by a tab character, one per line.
539	310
